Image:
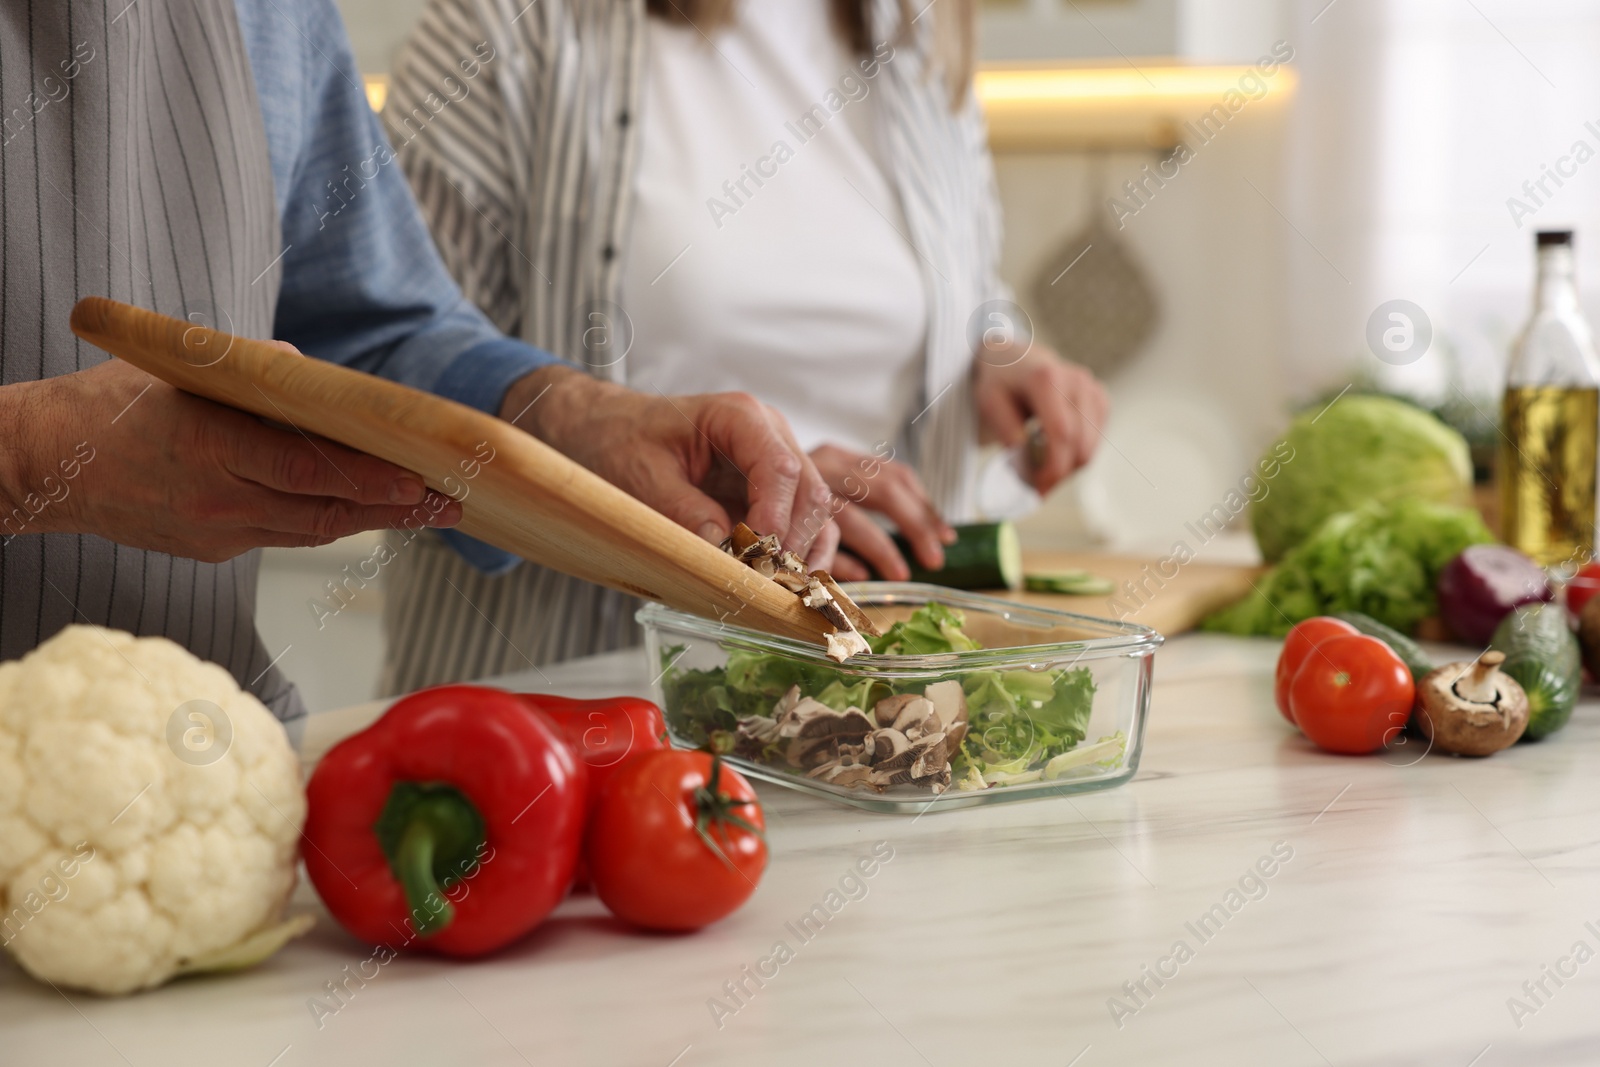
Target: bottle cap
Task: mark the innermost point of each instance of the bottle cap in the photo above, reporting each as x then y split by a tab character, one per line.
1554	237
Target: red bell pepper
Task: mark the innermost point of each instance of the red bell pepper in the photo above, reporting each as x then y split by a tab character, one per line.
603	733
452	824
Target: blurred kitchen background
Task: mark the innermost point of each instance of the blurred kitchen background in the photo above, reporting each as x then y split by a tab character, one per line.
1386	161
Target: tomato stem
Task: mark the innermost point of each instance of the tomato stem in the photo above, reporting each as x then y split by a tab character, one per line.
714	813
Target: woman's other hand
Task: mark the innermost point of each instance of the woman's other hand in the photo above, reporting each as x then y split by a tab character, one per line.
1017	383
872	482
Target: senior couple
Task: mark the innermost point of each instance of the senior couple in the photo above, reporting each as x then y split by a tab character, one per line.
554	222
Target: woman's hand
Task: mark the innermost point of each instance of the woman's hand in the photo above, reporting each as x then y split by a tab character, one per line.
1016	383
863	483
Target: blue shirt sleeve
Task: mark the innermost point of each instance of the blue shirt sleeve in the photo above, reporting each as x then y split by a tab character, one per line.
362	282
363	285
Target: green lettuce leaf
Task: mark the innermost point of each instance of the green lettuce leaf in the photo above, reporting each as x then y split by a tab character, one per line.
1381	559
932	628
1023	717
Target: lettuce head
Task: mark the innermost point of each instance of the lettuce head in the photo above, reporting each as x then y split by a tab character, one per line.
1356	450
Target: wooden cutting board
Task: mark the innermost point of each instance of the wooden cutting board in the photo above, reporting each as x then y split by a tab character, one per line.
526	498
1169	605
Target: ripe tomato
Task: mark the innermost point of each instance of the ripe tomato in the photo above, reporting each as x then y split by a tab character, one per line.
1353	695
1584	585
677	842
1297	646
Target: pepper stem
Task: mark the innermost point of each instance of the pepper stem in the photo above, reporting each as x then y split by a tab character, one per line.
431	834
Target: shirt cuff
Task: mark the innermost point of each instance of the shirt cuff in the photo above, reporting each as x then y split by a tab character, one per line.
482	556
480	376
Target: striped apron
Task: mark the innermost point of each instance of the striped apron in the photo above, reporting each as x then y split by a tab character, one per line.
134	165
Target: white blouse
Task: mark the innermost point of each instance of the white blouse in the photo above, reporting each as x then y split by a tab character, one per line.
767	250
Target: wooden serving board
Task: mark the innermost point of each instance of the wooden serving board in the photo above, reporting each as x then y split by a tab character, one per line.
528	498
1169	605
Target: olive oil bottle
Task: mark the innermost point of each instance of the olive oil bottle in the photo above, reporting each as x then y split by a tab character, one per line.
1549	420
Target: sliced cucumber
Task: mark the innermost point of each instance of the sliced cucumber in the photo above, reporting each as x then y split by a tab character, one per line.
985	556
1069	583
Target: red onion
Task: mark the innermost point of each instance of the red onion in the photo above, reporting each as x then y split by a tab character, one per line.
1483	585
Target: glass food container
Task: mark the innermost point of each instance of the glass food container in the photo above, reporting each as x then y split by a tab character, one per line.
1051	703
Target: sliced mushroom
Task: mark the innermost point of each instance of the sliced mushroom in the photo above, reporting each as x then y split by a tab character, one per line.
915	718
884	777
949	700
1471	708
914	752
855	617
794	717
817	719
819	598
762	548
786	703
855	755
842	774
832	748
795	583
754	735
818	591
740	539
936	783
931	757
887	710
887	743
809	752
821	730
846	643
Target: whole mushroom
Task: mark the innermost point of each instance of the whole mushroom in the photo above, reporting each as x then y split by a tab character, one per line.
1471	708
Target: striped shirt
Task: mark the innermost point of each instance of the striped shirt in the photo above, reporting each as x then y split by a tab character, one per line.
526	179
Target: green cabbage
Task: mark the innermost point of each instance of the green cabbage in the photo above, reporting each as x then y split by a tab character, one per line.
1359	448
1380	559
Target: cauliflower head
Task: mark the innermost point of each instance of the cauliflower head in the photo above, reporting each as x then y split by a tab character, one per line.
149	814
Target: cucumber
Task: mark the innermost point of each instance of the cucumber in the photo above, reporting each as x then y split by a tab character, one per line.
1069	583
985	555
1410	653
1542	656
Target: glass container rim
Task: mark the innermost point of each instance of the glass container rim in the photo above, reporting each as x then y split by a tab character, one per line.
1123	638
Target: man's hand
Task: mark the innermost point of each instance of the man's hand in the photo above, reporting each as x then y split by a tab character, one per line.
864	483
705	462
155	468
1015	384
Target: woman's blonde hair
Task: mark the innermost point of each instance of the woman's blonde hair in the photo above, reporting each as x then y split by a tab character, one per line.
954	29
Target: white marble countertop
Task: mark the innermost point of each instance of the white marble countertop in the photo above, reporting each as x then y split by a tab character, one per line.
1416	899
